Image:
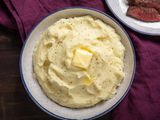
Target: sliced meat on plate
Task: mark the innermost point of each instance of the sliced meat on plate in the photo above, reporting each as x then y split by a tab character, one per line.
146	3
144	14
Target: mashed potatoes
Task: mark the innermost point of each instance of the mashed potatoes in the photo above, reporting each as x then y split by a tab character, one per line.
79	62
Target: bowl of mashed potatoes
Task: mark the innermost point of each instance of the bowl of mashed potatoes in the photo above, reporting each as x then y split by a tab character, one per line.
77	63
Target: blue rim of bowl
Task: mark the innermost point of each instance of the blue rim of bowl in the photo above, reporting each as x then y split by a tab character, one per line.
136	30
44	109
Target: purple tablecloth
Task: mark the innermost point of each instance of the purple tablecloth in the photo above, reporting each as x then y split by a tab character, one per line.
143	100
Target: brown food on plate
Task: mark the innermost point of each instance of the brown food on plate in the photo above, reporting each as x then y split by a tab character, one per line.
144	10
146	3
144	14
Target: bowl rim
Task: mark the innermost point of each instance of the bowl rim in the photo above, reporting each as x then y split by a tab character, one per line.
129	26
32	97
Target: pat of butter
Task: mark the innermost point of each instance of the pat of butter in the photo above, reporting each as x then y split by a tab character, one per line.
82	58
87	81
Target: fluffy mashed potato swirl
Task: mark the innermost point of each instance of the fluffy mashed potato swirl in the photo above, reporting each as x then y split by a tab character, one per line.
79	62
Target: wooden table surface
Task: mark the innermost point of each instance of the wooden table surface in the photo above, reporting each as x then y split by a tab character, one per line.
15	104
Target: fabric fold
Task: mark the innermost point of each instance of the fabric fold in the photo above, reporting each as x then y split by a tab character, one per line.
6	18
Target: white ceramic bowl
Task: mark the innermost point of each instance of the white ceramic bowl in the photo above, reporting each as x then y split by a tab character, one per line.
35	92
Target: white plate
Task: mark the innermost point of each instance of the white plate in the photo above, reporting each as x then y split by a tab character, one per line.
35	92
119	9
